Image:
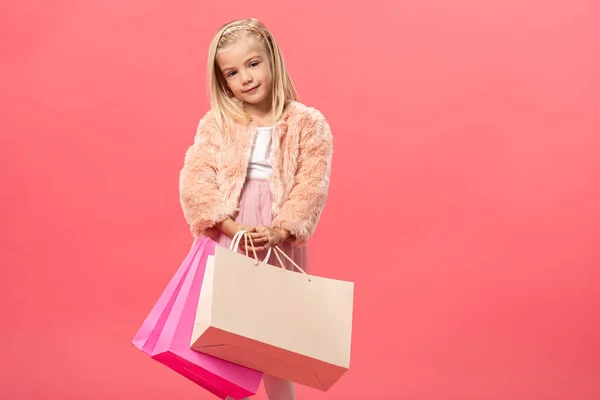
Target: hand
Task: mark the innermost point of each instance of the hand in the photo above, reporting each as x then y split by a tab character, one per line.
264	237
229	227
242	227
243	240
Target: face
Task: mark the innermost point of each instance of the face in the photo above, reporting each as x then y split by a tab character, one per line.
245	67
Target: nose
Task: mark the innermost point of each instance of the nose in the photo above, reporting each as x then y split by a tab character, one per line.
246	78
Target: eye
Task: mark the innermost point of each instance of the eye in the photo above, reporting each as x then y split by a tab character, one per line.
254	63
230	74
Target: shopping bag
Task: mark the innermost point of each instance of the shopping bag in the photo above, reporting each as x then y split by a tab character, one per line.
146	337
169	343
286	324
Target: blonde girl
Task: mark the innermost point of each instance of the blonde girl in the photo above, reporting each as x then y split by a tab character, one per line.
261	160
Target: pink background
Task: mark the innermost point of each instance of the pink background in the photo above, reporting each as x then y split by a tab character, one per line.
465	198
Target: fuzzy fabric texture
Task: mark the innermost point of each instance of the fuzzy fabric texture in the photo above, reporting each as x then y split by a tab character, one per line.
215	167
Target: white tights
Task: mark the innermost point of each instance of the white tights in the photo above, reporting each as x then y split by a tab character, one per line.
277	389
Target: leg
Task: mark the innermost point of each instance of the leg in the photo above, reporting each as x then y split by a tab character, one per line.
276	388
279	389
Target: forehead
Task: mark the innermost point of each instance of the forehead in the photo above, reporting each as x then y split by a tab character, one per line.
239	52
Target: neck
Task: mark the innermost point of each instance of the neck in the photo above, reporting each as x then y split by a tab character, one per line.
261	113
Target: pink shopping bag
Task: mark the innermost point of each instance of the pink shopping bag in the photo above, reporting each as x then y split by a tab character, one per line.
166	333
146	337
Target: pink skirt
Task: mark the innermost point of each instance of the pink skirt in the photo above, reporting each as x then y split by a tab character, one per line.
255	209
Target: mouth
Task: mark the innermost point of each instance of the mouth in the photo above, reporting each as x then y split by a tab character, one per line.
251	90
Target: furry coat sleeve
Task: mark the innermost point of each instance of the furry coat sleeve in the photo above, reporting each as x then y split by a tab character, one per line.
200	198
301	211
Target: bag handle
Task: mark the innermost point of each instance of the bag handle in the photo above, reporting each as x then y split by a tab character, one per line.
235	243
235	240
290	260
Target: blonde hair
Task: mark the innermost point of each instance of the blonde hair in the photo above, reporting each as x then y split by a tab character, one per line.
224	105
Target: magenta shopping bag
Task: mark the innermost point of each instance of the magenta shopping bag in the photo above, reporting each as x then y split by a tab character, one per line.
166	333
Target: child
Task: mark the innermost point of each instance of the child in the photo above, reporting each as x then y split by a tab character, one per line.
260	160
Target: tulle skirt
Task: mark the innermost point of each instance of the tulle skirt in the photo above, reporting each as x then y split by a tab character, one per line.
255	209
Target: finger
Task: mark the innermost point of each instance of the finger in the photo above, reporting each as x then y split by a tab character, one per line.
246	246
255	242
261	228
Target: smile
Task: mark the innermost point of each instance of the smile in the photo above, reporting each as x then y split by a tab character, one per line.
251	90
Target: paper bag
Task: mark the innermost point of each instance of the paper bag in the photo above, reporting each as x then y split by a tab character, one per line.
146	337
286	324
168	340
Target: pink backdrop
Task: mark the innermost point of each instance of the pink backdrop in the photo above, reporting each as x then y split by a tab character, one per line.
465	198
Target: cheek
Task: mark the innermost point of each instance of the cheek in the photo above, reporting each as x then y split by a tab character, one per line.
233	85
268	76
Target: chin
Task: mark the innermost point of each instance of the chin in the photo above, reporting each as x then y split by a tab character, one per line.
255	100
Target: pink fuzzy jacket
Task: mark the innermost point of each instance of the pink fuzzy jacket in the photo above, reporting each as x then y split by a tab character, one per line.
215	167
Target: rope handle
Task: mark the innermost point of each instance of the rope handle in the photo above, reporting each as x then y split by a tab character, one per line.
235	243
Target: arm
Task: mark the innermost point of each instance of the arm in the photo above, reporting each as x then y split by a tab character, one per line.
301	212
229	227
199	194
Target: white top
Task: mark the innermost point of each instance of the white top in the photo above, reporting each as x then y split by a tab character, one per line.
260	165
